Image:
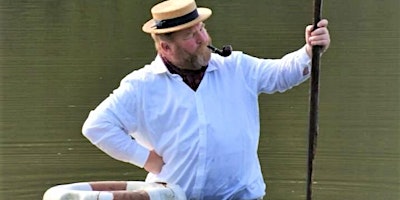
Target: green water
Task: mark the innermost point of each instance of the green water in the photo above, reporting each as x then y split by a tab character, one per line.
59	59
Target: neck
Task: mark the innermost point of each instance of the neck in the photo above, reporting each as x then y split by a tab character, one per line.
191	77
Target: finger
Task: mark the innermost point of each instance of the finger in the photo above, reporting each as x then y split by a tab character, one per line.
309	28
320	31
323	41
323	23
317	37
320	42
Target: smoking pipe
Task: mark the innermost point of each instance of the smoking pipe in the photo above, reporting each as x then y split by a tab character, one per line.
226	50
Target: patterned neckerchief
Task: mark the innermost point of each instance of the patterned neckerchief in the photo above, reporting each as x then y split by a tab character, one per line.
192	78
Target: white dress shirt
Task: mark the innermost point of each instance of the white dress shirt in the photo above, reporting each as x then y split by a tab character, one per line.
207	138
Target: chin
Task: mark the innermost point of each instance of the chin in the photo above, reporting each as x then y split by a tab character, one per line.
206	56
204	59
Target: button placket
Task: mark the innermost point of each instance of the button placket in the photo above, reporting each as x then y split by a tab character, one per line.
201	169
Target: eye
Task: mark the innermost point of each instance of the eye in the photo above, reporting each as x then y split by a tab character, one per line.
190	35
193	33
202	27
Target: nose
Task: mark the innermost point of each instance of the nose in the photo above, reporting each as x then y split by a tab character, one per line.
202	36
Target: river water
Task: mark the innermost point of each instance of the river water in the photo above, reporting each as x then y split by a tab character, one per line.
59	59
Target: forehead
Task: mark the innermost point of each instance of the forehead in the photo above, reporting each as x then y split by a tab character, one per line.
189	30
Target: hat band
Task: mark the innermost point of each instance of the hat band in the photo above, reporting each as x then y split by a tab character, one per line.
168	23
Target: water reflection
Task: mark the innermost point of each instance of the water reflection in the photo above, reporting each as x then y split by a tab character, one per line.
59	59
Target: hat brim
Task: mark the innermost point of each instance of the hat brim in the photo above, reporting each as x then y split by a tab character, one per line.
204	13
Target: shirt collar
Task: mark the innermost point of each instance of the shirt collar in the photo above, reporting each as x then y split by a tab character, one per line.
159	66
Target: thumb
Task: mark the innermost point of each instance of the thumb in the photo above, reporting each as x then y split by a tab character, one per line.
308	31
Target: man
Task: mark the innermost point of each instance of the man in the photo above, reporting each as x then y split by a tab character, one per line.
194	114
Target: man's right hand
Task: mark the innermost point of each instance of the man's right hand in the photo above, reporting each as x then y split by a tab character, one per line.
154	163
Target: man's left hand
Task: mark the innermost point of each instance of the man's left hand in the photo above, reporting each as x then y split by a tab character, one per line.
319	36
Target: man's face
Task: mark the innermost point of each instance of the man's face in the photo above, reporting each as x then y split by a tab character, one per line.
189	47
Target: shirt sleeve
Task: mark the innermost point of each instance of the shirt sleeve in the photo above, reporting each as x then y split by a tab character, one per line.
109	125
277	75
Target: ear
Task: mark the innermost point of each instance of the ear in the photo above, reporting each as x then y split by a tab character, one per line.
165	47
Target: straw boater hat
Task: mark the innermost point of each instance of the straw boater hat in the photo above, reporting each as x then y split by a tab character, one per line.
174	15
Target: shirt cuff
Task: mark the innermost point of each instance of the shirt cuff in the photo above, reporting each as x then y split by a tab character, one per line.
304	57
140	156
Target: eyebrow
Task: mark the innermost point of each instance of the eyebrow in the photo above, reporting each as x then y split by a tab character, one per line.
193	29
186	32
